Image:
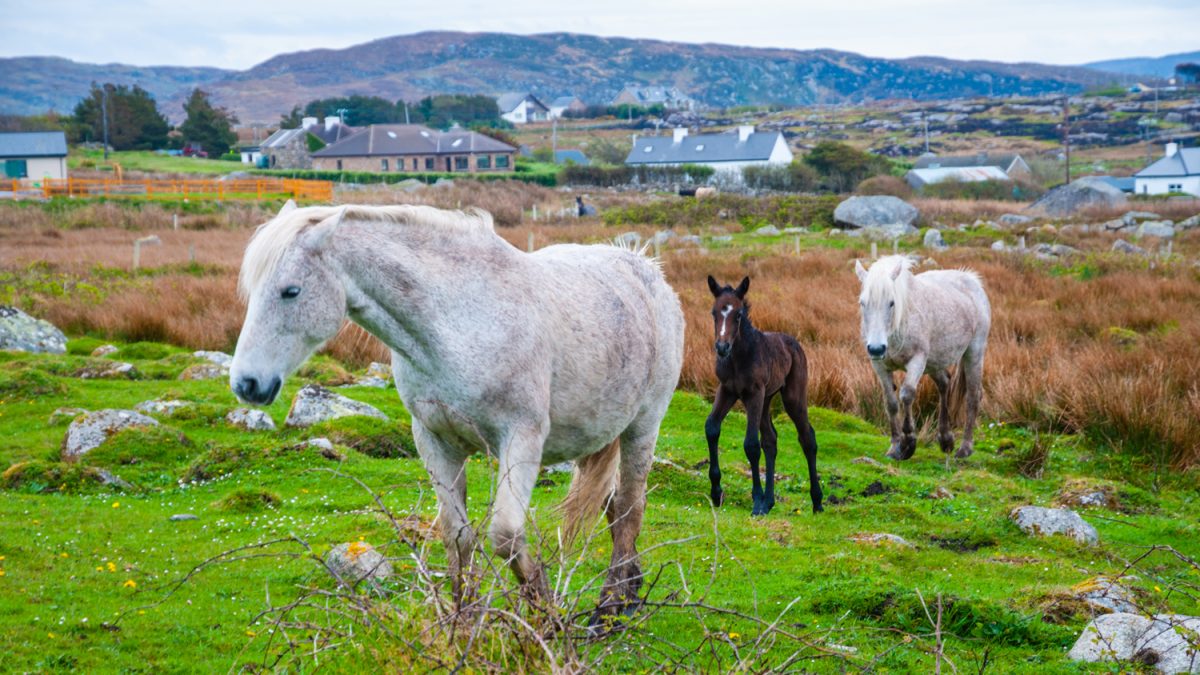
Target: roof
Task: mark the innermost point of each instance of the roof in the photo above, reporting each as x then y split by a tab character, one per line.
411	139
703	148
574	156
1122	184
509	102
281	138
1002	161
564	101
33	144
964	174
1185	162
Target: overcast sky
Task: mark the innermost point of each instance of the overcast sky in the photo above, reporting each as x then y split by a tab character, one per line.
241	33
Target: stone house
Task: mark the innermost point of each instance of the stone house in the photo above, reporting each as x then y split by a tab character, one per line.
415	148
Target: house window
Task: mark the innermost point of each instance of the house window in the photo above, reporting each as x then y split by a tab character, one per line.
383	164
484	162
339	165
501	161
1175	187
415	165
16	168
460	164
429	163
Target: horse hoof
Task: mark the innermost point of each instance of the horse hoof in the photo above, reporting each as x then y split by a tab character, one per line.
964	452
947	444
894	453
908	447
610	618
817	508
718	498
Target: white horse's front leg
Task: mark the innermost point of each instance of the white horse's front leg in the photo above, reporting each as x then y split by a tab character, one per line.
913	371
447	470
520	461
893	406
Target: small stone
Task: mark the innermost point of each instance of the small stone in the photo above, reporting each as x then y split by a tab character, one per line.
314	403
865	460
934	240
204	371
381	370
183	516
998	245
880	538
723	237
92	430
941	493
104	350
1122	246
107	370
1188	224
1105	594
1114	225
251	419
376	382
1011	219
319	443
357	561
219	358
1041	521
1132	218
1156	228
166	408
111	479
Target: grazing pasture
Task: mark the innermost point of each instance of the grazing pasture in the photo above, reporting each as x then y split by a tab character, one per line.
1089	387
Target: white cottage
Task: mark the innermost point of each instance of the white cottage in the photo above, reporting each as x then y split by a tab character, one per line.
727	152
1177	171
34	155
522	108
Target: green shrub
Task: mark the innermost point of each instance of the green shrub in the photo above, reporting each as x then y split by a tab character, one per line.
248	501
29	384
370	436
795	177
610	176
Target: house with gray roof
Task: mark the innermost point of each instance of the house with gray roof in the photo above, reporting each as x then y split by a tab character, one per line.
1178	170
564	104
1010	163
668	97
293	148
522	108
726	152
36	154
415	148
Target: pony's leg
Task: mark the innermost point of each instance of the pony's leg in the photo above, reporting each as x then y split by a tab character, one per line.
446	467
893	406
624	513
520	461
973	362
754	411
796	405
766	431
712	431
945	434
913	371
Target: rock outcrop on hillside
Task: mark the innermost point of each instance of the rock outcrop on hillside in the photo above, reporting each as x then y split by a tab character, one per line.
25	333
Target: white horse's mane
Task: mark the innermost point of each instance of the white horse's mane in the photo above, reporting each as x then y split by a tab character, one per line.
275	237
879	286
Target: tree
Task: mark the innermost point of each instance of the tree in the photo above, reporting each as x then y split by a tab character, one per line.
359	110
1187	73
844	166
292	120
134	122
443	110
607	151
208	125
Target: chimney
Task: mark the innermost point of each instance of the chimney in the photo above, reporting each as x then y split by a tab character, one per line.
678	134
744	132
331	121
308	122
1172	149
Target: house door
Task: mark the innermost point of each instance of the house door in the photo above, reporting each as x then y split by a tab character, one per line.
448	169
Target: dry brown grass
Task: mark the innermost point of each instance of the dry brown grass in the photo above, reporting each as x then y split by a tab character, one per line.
1055	361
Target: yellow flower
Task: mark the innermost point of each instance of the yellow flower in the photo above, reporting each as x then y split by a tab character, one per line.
2	573
2	557
735	636
111	567
1157	589
116	505
130	583
99	569
251	633
64	555
51	635
356	549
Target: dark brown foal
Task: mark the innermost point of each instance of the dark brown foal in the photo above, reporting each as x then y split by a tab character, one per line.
753	366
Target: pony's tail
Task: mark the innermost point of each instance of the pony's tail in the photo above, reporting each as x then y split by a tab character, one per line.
957	398
594	482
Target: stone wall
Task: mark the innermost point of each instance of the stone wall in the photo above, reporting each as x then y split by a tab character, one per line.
291	155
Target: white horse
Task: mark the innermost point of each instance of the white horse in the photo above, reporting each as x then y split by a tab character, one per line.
568	353
925	323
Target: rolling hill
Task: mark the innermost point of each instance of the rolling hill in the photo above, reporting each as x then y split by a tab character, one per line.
1146	66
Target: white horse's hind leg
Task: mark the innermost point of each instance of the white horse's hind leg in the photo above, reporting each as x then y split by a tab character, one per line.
893	406
520	461
624	513
446	467
945	434
973	362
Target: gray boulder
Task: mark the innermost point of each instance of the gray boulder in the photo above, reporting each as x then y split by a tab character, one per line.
1188	224
877	211
357	561
104	350
219	358
662	237
1159	641
90	431
251	419
1012	219
315	403
1156	228
165	408
1132	218
1077	195
1122	246
999	245
107	370
1043	522
24	333
934	240
766	231
1105	595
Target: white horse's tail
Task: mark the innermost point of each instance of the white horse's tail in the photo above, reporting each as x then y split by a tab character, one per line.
957	398
594	482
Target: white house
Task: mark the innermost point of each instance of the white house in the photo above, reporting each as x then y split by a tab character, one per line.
726	152
564	104
522	108
34	155
919	178
1177	171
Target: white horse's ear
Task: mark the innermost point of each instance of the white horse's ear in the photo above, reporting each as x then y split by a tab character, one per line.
315	237
860	270
288	207
896	272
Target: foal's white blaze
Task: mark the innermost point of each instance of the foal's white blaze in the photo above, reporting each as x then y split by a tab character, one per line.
725	318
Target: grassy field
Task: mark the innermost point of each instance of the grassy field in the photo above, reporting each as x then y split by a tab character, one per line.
88	572
149	162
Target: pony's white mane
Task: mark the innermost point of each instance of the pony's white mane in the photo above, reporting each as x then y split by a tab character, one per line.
880	287
275	237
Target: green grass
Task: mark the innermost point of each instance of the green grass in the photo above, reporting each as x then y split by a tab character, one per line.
75	555
151	162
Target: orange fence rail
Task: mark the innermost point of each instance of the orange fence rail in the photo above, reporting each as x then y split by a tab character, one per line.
242	188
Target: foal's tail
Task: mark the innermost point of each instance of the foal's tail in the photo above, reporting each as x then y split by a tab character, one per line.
957	398
595	480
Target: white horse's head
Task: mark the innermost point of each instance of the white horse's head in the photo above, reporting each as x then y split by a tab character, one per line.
295	302
883	300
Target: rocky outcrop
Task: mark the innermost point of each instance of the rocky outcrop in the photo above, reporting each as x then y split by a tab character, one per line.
24	333
1079	194
91	431
315	403
1044	522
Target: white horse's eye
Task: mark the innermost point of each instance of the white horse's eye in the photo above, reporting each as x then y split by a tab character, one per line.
290	292
891	304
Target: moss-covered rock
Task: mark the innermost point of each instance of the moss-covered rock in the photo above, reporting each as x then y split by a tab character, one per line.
247	501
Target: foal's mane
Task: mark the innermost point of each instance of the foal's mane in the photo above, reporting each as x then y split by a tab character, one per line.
879	285
275	237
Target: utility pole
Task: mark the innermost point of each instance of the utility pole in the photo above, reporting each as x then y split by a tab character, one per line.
104	117
1067	134
406	112
925	119
554	138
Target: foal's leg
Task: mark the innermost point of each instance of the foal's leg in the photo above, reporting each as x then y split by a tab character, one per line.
893	406
446	467
908	393
795	402
624	513
766	430
712	431
754	411
973	362
520	460
945	434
